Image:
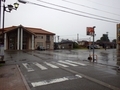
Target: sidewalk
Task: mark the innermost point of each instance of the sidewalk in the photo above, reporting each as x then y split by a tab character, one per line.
11	78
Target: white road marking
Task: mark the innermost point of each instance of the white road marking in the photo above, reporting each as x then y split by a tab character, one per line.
76	62
63	65
67	63
51	65
27	66
57	80
78	76
40	66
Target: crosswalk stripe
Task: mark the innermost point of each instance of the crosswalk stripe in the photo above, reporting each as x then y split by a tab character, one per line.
51	65
76	62
56	80
67	63
62	65
40	66
27	66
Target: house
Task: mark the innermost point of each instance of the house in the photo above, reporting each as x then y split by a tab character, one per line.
26	38
83	43
64	44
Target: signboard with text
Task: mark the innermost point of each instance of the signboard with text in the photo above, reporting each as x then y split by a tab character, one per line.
90	31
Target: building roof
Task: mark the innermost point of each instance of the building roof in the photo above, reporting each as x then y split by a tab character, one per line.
29	29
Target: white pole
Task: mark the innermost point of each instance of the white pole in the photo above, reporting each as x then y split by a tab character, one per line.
89	45
21	38
32	42
5	41
18	39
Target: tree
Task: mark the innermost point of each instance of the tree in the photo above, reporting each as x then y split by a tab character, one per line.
114	43
104	38
114	40
104	41
98	41
75	45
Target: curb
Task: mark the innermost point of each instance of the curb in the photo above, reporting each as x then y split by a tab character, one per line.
25	82
102	63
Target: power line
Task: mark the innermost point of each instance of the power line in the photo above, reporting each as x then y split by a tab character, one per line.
103	4
72	13
76	10
67	35
90	7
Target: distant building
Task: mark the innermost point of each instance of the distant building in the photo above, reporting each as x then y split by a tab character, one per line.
84	43
64	44
118	37
26	38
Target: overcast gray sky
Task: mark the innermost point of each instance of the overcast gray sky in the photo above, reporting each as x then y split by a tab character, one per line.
64	24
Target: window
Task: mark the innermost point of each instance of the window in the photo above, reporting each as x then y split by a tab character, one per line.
40	37
48	38
119	31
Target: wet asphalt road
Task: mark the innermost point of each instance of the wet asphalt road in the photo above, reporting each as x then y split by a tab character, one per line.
67	70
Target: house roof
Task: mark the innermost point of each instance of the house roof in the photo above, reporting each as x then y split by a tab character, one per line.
38	31
29	29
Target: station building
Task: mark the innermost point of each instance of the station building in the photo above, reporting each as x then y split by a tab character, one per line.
27	38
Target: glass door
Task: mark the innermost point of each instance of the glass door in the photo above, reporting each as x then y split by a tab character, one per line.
12	44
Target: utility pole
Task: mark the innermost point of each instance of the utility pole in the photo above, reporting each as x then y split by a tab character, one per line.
0	13
89	46
93	43
1	35
55	38
58	42
58	38
107	33
77	37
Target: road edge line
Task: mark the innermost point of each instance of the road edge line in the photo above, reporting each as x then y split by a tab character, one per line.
23	78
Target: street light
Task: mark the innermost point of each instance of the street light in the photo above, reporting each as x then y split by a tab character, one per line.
22	1
7	8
